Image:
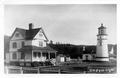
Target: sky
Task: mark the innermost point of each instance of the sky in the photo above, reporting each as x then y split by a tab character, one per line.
66	23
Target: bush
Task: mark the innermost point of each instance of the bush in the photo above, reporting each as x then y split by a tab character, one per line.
15	63
48	63
35	64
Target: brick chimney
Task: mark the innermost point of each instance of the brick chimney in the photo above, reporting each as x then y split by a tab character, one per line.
31	26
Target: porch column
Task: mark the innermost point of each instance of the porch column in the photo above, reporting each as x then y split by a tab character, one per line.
32	56
18	54
41	56
48	55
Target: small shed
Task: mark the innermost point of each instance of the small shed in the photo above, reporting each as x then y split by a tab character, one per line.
62	58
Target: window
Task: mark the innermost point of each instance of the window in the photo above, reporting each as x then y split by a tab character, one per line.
39	54
14	45
35	54
44	54
102	31
40	43
17	35
23	44
14	56
22	55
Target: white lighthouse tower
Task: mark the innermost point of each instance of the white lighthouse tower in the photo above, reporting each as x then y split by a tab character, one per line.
102	47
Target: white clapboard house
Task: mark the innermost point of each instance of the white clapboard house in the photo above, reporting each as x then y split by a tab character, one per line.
30	45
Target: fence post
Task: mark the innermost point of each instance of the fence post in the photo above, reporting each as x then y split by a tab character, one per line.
38	70
21	69
59	71
6	70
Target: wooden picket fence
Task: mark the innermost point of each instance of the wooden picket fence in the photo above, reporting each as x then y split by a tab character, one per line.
31	70
13	70
65	68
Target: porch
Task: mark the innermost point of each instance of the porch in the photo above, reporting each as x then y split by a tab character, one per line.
39	54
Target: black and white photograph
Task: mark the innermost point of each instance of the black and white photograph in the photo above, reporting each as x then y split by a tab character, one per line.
60	39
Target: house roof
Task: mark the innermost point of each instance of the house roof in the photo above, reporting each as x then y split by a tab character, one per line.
43	49
29	34
20	30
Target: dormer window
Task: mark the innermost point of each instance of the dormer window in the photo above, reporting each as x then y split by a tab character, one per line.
17	35
40	34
